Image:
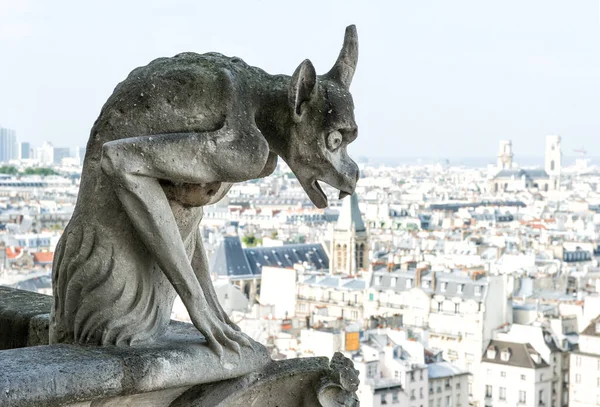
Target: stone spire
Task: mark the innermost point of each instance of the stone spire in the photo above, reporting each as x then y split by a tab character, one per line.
350	219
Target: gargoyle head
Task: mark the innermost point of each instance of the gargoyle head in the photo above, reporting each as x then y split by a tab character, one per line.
339	387
323	125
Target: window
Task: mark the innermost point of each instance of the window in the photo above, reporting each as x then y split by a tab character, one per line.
408	282
456	308
430	387
394	397
577	360
505	355
477	290
439	403
447	383
502	374
371	297
578	378
448	401
394	281
421	374
412	376
489	371
523	377
502	394
396	374
421	392
522	396
459	289
541	396
488	391
458	400
412	394
598	382
444	286
383	399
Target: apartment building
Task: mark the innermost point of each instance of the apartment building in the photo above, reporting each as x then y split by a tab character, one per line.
584	390
515	374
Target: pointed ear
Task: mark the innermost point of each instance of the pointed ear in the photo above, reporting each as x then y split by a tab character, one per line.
302	86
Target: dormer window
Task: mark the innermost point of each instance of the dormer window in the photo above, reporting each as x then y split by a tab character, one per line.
505	355
477	290
409	283
459	289
535	357
444	286
379	278
394	281
491	353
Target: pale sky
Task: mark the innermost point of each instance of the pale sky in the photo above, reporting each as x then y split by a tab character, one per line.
443	78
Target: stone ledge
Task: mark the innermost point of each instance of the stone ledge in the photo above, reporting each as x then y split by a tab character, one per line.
24	318
51	375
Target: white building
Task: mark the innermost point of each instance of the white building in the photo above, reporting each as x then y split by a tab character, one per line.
515	374
584	390
457	311
448	385
548	344
278	289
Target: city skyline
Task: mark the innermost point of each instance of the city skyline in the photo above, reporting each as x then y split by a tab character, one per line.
434	79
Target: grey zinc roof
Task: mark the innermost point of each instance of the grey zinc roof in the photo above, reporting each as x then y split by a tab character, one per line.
520	355
452	282
229	259
350	215
286	256
444	369
533	174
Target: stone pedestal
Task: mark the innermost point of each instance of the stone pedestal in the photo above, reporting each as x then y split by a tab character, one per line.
179	370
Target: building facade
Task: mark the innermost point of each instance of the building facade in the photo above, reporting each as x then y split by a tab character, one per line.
515	374
8	145
584	390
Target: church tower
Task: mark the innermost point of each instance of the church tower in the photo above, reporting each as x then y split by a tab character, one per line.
553	161
349	243
505	155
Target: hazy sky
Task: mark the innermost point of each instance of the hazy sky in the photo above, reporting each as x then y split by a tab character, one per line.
445	78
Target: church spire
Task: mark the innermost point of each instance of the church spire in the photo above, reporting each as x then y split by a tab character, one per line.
350	219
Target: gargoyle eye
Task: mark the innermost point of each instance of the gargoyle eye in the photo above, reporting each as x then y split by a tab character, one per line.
334	140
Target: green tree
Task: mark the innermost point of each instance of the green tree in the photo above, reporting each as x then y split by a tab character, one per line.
8	169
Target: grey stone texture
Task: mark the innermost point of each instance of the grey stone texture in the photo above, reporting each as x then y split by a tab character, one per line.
65	373
173	137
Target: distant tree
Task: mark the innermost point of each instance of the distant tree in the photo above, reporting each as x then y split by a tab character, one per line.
249	240
274	235
39	171
9	170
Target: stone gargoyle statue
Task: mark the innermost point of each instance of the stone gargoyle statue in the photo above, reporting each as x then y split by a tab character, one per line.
173	137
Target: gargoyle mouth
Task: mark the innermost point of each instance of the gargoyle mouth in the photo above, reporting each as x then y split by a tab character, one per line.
318	196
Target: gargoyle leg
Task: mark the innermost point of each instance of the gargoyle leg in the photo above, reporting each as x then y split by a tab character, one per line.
135	165
200	266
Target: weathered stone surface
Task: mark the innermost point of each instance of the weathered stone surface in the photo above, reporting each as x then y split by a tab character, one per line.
63	374
173	137
19	325
291	383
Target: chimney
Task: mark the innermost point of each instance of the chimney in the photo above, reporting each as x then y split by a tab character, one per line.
418	277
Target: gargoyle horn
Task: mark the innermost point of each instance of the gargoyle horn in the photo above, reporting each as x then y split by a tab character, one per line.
344	67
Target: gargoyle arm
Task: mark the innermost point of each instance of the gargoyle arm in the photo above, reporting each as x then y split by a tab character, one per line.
137	164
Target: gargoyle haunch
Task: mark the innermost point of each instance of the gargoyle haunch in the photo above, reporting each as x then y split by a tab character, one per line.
172	138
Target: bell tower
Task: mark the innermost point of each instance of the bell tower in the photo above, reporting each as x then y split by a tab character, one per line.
505	155
553	160
350	241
